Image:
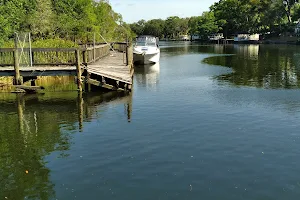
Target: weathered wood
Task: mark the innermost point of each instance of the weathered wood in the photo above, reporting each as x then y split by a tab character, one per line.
94	47
97	61
104	85
17	80
84	57
87	86
7	49
78	70
129	55
26	87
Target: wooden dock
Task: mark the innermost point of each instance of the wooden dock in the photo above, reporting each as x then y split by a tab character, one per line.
108	66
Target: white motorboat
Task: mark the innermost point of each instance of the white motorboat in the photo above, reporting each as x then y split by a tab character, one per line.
146	50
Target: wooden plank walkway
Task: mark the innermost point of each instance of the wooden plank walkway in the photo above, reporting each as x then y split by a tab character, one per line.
113	67
97	65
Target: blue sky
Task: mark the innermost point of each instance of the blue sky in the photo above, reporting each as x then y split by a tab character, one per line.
134	10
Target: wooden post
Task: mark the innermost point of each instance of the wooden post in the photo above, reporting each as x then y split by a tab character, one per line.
17	80
87	85
94	45
30	49
127	54
78	70
84	55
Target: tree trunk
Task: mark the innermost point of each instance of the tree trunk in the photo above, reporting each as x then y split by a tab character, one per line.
288	11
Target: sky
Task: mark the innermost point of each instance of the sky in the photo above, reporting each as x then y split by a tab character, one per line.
135	10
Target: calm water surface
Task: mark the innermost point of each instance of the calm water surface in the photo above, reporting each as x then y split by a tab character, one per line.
208	122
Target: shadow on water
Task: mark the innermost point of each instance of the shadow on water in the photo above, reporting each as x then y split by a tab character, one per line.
33	126
262	66
147	75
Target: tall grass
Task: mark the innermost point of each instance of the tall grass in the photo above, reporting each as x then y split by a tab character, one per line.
46	43
51	83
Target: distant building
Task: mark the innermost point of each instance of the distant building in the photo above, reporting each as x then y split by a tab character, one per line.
184	37
195	37
246	37
297	28
216	36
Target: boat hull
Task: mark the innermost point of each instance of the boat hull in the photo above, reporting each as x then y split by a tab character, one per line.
145	59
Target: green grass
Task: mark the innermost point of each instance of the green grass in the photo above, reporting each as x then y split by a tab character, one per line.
47	43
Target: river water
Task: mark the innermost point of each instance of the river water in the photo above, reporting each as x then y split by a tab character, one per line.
207	122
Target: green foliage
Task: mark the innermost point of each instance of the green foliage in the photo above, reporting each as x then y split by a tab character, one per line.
138	27
207	25
74	20
13	17
173	27
229	17
54	43
255	16
155	27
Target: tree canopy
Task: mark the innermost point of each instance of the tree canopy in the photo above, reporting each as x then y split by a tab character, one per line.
228	17
66	19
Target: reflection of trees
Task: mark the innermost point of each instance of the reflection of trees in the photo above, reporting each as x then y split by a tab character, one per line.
270	67
32	129
188	49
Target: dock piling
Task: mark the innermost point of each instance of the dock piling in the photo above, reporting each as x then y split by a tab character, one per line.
17	78
78	70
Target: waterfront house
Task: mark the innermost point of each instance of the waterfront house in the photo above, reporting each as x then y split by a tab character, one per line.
216	36
246	37
297	28
184	37
195	37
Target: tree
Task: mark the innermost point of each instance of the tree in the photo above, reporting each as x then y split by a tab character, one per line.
207	25
13	17
289	4
193	25
154	27
42	20
172	27
138	27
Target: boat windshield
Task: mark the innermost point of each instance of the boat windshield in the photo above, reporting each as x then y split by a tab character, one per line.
146	41
153	44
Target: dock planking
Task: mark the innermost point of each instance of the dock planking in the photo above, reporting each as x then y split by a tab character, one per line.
113	66
100	65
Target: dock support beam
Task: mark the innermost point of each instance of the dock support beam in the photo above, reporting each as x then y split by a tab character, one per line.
17	80
87	85
78	70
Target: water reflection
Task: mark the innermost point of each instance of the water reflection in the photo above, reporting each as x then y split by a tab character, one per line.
147	75
196	49
263	66
32	127
50	83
